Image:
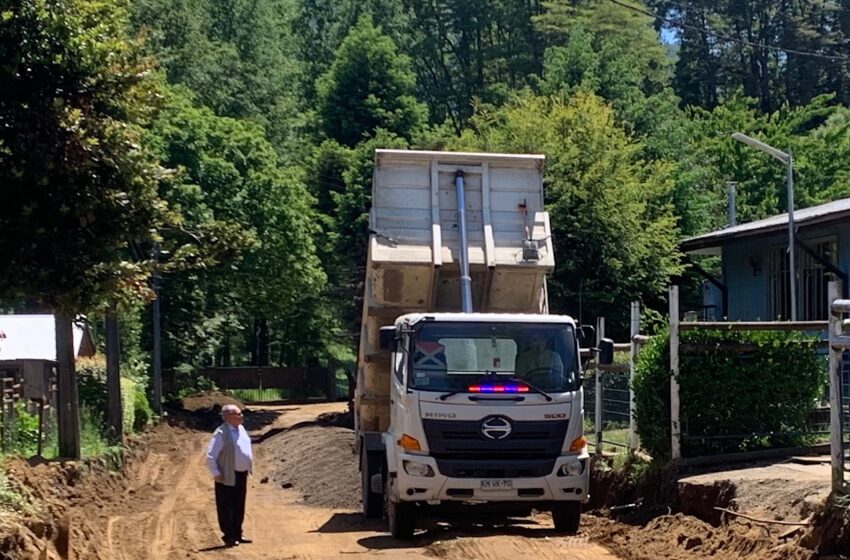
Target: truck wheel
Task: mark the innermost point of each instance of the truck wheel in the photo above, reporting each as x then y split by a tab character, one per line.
567	516
370	464
402	519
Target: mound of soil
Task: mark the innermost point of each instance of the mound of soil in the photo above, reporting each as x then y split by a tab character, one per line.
319	462
210	401
830	530
681	537
71	497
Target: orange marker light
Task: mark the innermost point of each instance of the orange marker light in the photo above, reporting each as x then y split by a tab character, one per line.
409	443
577	444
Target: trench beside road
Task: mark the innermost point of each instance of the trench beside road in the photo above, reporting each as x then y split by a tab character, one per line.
173	515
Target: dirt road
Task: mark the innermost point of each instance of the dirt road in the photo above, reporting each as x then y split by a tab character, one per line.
170	515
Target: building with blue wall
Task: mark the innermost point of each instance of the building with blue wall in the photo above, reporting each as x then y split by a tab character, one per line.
754	283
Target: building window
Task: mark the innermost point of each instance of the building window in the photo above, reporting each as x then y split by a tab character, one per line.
812	278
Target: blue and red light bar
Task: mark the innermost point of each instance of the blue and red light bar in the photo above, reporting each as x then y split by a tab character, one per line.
498	388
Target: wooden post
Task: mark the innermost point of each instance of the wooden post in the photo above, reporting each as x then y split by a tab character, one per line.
675	427
156	356
115	412
633	352
836	352
331	381
68	409
597	414
40	427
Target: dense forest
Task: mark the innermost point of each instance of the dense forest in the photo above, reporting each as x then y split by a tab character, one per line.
217	153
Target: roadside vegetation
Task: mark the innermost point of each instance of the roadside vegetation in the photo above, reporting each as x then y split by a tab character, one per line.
218	154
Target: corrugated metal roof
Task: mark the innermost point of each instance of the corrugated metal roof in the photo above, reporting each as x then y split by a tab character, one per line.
32	337
824	213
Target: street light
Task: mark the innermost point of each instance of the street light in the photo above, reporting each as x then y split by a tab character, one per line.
788	160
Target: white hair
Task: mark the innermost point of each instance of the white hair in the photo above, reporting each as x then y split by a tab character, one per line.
228	408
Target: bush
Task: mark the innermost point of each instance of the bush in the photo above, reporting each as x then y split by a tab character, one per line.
23	433
91	382
91	379
730	400
142	411
128	404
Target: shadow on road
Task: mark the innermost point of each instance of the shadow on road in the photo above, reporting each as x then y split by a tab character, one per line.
351	523
458	528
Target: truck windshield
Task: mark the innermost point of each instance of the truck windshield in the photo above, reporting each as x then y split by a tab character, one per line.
465	357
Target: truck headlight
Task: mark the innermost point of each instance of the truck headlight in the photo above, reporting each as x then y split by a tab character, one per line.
573	468
418	469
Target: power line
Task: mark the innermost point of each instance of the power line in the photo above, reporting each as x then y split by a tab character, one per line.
684	6
785	50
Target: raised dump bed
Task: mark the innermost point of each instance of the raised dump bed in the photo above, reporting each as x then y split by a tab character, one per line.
413	262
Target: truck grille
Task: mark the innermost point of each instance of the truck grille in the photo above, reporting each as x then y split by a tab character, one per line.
462	451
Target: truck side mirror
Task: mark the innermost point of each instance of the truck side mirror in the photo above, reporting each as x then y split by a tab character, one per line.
606	351
386	338
586	336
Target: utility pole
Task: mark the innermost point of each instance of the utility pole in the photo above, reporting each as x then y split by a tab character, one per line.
788	159
115	412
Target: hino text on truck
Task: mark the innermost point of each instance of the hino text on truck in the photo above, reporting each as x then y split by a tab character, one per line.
468	391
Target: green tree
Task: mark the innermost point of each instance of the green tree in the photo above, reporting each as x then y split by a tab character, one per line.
79	186
368	87
612	221
817	135
230	183
616	53
237	56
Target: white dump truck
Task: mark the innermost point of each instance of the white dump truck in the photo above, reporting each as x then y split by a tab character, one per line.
468	392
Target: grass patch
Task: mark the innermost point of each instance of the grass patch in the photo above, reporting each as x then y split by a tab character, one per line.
259	395
11	500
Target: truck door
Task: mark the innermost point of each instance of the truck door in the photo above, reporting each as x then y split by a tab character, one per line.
398	391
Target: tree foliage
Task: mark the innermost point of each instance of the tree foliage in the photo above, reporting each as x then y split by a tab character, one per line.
612	221
259	216
252	185
78	186
368	87
237	56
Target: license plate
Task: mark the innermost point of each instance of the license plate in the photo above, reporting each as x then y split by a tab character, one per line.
497	484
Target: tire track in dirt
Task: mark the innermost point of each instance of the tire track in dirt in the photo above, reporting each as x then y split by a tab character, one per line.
170	515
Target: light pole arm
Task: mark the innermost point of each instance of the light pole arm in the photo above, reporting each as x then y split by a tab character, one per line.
766	148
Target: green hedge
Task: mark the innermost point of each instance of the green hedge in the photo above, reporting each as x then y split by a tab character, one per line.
763	394
91	379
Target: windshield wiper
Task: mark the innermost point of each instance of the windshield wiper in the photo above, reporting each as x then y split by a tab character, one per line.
536	389
447	395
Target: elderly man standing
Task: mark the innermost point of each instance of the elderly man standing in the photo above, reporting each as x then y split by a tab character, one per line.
230	461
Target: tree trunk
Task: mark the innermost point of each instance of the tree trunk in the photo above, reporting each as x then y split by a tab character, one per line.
113	377
156	355
252	343
69	407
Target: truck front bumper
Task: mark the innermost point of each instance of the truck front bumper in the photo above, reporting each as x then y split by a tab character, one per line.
437	487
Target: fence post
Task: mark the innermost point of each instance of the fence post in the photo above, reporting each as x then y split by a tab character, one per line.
836	352
597	416
633	351
675	427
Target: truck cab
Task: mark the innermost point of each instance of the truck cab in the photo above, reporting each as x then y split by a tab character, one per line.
485	408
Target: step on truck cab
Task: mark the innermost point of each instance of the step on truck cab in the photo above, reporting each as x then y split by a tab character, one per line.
468	391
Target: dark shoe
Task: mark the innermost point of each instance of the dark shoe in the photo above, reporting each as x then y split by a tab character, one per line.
243	540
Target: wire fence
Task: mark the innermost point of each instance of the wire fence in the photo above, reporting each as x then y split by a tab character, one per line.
614	413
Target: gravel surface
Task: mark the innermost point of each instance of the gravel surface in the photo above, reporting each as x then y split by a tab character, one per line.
319	462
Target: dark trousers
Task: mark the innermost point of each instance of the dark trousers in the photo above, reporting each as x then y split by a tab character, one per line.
230	505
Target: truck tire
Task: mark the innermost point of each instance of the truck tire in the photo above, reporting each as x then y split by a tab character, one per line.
370	464
567	516
402	519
